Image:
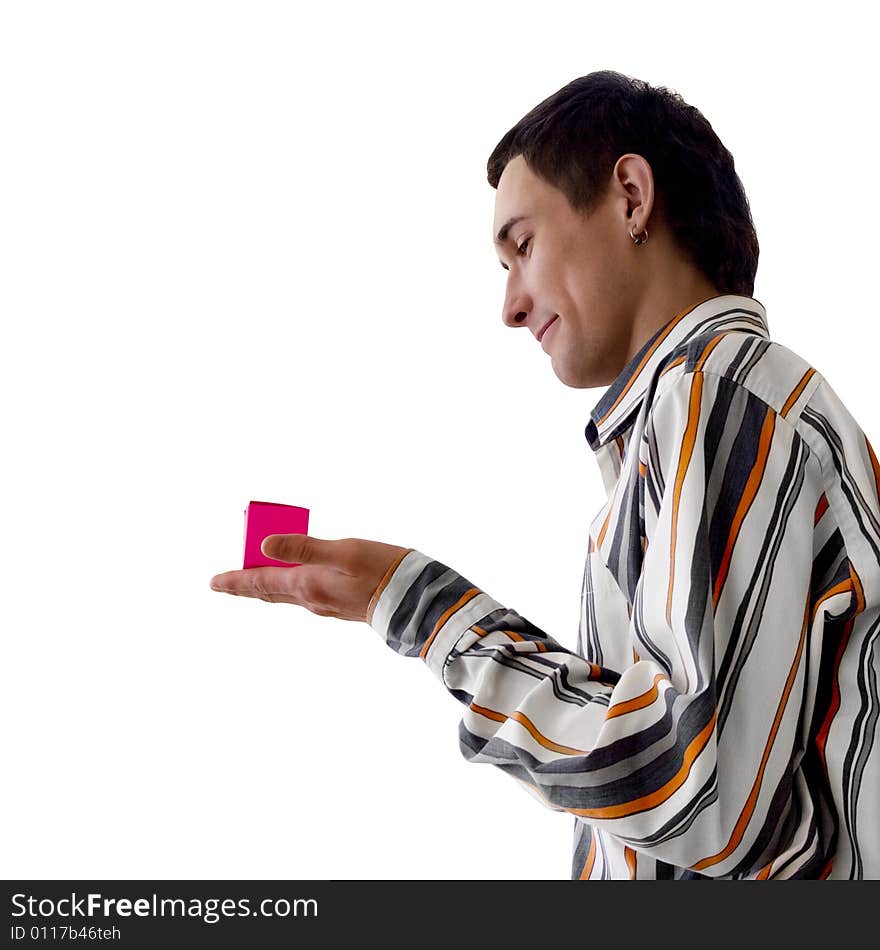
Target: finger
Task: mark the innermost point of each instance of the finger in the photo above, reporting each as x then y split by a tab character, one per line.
304	588
224	582
297	549
260	582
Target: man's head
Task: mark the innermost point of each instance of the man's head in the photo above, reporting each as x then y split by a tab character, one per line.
604	158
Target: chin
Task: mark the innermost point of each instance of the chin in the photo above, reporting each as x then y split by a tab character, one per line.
576	383
572	379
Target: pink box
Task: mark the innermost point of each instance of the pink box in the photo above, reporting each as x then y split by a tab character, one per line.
262	518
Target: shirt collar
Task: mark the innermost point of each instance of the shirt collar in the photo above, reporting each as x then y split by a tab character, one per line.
617	408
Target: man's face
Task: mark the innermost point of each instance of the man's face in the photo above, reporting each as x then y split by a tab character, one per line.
579	272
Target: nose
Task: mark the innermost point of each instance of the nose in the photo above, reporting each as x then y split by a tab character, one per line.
517	306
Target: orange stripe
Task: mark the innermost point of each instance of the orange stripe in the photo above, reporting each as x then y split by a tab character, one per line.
764	872
638	702
661	794
630	856
607	520
591	858
793	398
875	465
654	798
540	646
596	672
749	807
676	362
749	494
857	587
821	508
707	349
377	593
646	358
687	448
539	737
488	713
464	599
837	589
601	537
524	720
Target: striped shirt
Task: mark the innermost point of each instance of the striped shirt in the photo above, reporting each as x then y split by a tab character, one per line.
718	718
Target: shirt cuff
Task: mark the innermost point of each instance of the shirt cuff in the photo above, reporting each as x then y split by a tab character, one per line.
423	608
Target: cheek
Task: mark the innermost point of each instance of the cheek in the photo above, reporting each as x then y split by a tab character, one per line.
556	294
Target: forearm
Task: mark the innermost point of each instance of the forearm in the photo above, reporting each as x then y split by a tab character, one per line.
626	752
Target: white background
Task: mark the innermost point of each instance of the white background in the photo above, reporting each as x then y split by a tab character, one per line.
246	254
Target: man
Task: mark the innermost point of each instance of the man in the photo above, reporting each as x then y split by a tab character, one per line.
718	718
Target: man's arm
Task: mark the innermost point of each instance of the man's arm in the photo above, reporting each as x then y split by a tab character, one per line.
688	754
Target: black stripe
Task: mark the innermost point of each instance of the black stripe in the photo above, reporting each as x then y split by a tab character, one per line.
766	566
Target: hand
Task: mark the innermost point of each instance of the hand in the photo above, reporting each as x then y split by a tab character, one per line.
334	578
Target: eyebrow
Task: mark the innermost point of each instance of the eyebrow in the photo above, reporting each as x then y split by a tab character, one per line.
504	230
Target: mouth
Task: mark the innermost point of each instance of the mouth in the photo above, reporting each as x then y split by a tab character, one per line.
546	325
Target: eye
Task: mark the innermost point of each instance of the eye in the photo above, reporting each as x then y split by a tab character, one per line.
521	249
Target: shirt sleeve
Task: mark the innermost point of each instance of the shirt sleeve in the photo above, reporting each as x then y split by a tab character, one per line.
690	753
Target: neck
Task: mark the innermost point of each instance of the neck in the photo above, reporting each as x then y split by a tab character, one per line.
684	289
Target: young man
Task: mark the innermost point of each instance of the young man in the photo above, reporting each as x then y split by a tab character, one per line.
719	715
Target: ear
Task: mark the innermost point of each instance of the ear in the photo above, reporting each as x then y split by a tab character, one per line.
633	178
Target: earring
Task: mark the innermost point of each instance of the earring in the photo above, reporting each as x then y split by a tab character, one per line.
640	239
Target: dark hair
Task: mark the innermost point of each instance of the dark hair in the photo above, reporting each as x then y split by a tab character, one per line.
572	140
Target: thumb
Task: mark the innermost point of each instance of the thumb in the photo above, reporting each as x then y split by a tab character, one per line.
286	547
